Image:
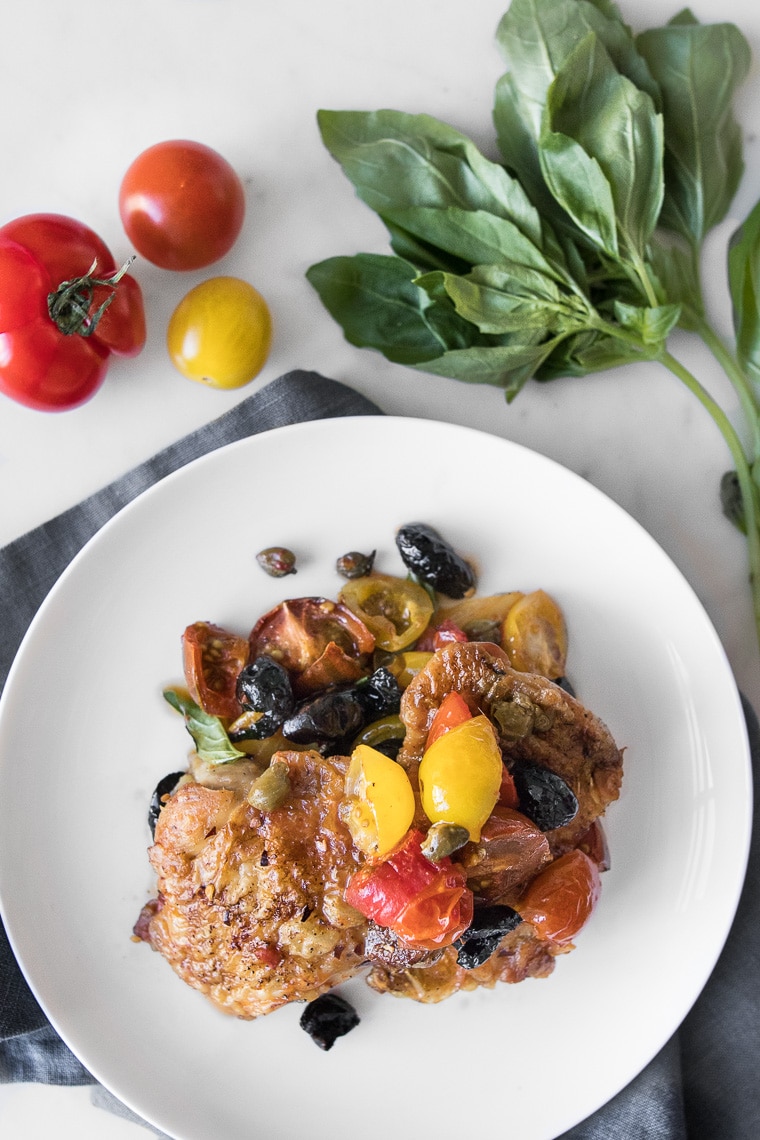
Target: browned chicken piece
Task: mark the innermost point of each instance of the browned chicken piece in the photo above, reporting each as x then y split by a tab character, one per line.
250	906
537	721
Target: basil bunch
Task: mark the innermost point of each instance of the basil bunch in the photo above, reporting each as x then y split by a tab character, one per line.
579	250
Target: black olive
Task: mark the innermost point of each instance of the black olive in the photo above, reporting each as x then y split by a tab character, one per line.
489	925
433	560
325	718
380	694
163	788
263	686
327	1018
566	685
390	747
355	564
544	796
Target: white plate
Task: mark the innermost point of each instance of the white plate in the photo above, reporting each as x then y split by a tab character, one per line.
85	735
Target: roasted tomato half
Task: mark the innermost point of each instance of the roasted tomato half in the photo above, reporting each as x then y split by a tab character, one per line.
213	658
318	641
560	900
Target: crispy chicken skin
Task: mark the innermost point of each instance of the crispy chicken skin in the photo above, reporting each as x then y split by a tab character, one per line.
250	904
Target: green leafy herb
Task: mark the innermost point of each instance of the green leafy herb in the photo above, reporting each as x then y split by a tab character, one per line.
581	250
212	743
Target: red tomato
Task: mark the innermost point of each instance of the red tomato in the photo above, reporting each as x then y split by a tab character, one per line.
182	205
426	904
54	360
435	637
452	711
560	900
318	641
213	659
510	852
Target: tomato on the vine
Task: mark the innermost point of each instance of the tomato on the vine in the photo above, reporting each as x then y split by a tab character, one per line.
182	205
220	333
65	307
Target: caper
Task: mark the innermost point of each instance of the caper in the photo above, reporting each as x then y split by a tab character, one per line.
442	840
277	561
272	787
515	717
355	564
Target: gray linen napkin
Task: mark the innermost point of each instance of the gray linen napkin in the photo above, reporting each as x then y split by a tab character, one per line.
702	1085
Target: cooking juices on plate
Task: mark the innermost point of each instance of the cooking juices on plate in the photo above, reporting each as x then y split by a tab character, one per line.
398	781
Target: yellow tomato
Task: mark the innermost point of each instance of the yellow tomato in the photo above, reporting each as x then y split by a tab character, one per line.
220	333
535	636
460	776
379	804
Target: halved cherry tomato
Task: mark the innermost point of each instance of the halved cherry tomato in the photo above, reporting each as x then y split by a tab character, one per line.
593	843
426	904
396	610
510	852
560	900
453	710
535	636
213	658
318	641
379	804
460	775
435	637
182	205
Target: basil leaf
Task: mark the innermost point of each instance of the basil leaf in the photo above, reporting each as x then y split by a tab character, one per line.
507	366
536	37
374	298
651	324
212	743
676	273
616	126
475	237
396	160
744	286
698	68
588	350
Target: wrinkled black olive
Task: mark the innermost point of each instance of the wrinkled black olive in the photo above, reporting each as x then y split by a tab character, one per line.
566	685
263	686
380	694
327	1018
355	564
433	560
544	796
325	718
164	787
390	747
489	925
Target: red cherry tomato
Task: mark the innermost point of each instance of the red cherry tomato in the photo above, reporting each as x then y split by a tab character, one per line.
182	205
55	359
435	637
452	711
213	659
426	904
560	900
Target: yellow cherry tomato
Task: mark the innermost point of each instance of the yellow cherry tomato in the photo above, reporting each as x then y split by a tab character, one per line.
379	804
220	333
395	610
460	776
535	636
406	666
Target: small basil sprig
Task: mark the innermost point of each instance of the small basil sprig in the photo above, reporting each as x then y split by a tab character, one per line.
211	741
580	251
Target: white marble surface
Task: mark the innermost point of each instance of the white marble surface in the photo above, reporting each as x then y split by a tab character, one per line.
86	89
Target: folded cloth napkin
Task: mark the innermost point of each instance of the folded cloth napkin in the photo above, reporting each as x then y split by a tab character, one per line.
702	1085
